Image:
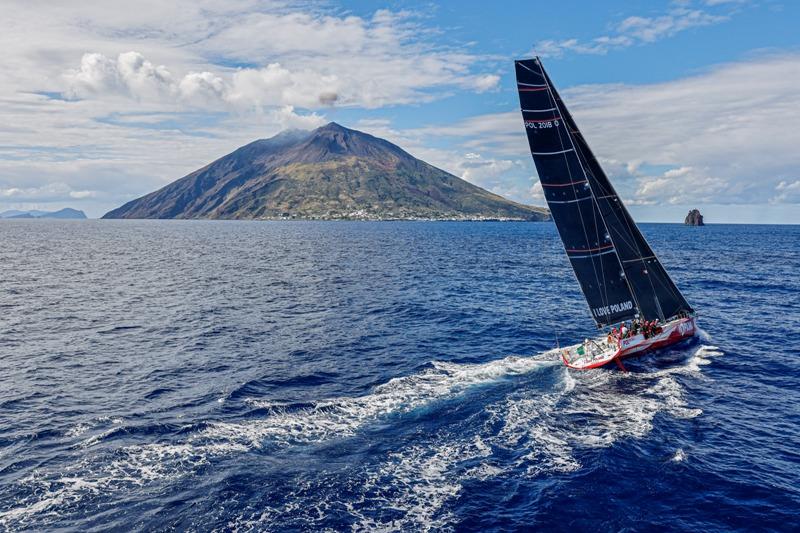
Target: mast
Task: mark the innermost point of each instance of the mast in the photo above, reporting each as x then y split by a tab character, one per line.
631	281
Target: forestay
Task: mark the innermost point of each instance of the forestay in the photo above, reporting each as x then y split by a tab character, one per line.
618	272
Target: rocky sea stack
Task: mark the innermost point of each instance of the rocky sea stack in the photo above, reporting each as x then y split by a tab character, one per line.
694	218
330	173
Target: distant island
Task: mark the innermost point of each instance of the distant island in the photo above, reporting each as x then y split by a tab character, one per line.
331	173
66	213
694	218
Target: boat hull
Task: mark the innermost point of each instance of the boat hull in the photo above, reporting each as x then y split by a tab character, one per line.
671	333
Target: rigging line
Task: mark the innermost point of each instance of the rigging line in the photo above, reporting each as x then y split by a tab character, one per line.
598	214
640	259
569	201
569	171
565	112
591	255
634	231
552	153
598	248
627	220
610	189
564	184
523	65
575	192
610	210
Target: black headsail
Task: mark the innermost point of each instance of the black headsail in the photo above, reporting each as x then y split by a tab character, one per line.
617	270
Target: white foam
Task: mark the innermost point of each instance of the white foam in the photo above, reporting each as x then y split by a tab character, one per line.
417	480
679	456
78	430
417	483
543	430
343	416
337	417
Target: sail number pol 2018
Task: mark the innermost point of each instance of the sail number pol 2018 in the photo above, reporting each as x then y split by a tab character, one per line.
540	125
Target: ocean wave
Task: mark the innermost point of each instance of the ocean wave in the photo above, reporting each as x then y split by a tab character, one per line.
578	409
525	432
335	418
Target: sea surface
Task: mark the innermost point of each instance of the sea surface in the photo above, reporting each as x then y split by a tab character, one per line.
394	376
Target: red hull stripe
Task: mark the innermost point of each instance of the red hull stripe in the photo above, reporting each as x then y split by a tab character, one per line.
674	337
563	184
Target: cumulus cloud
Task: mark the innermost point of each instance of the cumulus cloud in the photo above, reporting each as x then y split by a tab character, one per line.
202	88
315	60
130	73
537	192
288	119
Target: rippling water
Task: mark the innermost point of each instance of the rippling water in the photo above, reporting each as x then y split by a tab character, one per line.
284	376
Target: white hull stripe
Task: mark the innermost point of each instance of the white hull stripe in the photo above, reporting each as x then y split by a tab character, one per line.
611	251
553	153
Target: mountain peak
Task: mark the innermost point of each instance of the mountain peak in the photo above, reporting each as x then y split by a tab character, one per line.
330	172
333	126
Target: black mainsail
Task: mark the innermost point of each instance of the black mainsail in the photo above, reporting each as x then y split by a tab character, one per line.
618	272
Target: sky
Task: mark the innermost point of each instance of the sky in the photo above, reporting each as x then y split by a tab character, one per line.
686	103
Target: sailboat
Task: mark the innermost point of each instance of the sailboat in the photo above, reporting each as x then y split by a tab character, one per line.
620	276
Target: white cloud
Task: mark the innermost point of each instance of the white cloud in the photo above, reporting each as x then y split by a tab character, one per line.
82	194
335	60
683	185
202	88
725	136
537	192
44	193
632	31
288	119
116	101
787	192
483	171
486	82
727	133
720	2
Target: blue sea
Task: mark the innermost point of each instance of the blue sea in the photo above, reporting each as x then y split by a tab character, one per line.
393	376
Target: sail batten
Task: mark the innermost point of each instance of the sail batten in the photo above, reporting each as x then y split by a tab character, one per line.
623	278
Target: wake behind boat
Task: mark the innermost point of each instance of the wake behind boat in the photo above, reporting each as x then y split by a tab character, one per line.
620	276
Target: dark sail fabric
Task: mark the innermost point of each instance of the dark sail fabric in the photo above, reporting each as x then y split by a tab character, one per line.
569	196
619	258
